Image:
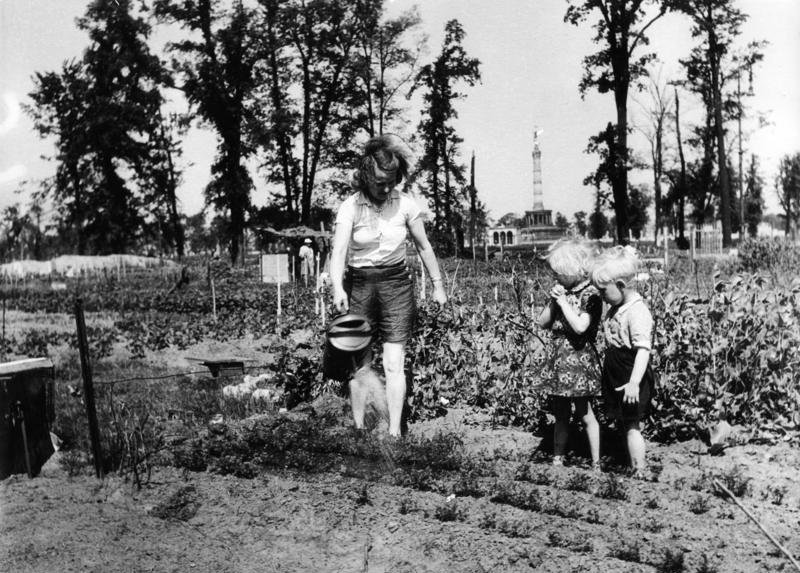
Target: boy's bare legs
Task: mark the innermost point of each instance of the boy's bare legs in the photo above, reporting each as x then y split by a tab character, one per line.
592	432
393	360
636	446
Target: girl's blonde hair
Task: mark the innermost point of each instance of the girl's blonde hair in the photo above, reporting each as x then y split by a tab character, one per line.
571	257
617	263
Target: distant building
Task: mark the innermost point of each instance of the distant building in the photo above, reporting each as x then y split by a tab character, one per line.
537	225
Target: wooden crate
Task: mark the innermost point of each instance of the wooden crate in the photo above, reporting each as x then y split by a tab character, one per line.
26	412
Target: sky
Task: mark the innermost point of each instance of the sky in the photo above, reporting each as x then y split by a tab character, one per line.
531	65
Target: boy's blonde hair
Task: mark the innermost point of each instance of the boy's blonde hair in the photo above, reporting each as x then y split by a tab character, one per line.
572	257
617	263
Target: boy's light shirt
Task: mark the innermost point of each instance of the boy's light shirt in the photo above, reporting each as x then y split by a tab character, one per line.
630	325
379	233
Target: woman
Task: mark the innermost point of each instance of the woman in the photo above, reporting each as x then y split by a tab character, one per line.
371	230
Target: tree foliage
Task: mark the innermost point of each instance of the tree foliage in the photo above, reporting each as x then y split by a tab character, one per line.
787	186
113	182
712	63
443	176
619	27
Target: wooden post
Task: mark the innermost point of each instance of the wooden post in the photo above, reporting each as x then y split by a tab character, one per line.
3	348
495	294
278	281
213	300
88	388
666	248
486	251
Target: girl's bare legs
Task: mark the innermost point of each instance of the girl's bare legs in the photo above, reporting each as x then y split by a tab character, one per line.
394	354
562	413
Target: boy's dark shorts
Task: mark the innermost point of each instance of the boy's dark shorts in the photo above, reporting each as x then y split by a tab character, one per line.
617	368
385	295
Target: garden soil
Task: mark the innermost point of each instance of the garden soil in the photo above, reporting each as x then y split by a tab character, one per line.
327	522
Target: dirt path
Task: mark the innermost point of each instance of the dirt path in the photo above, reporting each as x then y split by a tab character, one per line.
286	521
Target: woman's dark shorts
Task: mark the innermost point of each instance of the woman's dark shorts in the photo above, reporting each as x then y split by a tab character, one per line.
385	295
617	368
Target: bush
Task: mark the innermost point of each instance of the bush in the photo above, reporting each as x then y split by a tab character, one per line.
734	357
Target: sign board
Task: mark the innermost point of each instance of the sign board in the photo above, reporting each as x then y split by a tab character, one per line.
275	268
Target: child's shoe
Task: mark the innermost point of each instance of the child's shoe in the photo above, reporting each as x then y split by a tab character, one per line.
558	461
596	468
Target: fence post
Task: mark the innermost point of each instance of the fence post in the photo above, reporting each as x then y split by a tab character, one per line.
3	348
88	388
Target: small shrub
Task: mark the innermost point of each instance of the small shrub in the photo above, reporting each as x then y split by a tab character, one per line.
706	566
448	511
558	539
653	526
488	520
774	493
593	515
627	551
523	472
362	496
735	480
578	482
651	503
541	477
513	528
673	562
699	505
468	485
74	462
406	506
613	488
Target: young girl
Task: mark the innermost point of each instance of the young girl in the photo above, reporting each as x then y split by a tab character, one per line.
627	379
573	315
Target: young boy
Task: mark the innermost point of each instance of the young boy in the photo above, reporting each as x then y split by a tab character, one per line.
627	380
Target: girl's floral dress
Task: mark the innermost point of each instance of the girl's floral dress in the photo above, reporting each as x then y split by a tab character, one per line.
573	366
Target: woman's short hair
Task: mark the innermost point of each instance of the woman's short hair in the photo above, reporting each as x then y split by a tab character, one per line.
384	156
616	263
571	257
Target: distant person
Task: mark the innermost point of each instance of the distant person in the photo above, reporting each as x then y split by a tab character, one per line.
627	379
306	255
371	230
573	315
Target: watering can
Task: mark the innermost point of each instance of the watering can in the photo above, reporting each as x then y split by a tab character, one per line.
347	346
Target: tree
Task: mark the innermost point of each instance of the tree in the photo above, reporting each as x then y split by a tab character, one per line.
657	113
601	179
105	112
598	222
753	198
638	204
510	220
215	65
384	65
439	162
717	23
619	30
787	187
580	222
561	222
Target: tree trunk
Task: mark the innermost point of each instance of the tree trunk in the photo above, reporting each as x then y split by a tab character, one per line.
719	130
682	180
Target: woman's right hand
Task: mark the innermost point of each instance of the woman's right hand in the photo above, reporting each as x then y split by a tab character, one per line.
340	302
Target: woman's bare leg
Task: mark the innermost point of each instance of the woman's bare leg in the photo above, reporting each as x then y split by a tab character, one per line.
394	354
